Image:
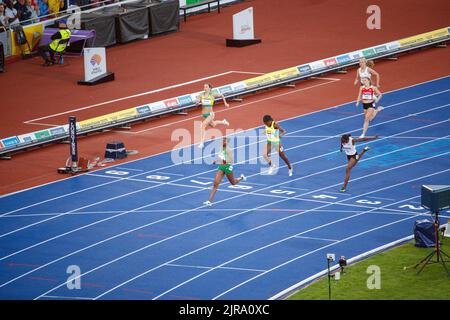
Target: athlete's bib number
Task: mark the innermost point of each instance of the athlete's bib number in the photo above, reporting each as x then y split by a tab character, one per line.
367	96
207	102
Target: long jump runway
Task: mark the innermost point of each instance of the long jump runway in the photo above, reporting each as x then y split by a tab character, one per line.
139	230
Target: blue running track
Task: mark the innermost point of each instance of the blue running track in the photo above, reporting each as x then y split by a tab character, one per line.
139	230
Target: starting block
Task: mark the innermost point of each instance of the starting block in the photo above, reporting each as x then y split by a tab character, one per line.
115	150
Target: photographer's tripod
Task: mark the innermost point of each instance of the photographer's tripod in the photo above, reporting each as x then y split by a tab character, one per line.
437	250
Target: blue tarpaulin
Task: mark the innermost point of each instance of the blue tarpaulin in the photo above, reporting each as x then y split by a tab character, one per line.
424	233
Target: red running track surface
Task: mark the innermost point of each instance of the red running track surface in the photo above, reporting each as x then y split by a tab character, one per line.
293	32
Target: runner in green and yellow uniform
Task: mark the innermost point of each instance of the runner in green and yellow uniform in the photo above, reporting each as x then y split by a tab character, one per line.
207	99
274	142
225	168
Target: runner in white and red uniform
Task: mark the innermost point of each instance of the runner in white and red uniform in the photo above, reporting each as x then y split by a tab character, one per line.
348	145
369	95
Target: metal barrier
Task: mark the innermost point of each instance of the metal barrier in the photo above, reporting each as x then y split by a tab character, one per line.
11	145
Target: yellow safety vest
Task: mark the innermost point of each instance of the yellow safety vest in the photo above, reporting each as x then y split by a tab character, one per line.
55	46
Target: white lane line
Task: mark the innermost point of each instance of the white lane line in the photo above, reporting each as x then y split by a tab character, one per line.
307	254
313	238
154	186
109	218
380	189
129	169
381	198
69	298
242	269
32	121
295	188
171	174
184	232
272	195
187	266
45	124
166	239
176	180
244	232
203	267
323	78
337	193
249	72
392	211
97	222
246	254
243	183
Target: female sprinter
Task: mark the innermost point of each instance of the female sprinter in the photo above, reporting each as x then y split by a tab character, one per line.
273	141
206	99
348	145
366	70
369	95
225	168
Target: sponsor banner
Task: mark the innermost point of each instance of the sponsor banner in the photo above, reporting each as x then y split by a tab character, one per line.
171	103
42	135
10	142
26	138
284	74
238	86
317	65
424	37
440	33
394	45
57	131
215	91
143	109
109	118
257	81
124	114
330	62
243	25
368	52
94	122
185	100
356	55
195	96
94	63
303	69
343	59
272	77
157	106
225	89
380	49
